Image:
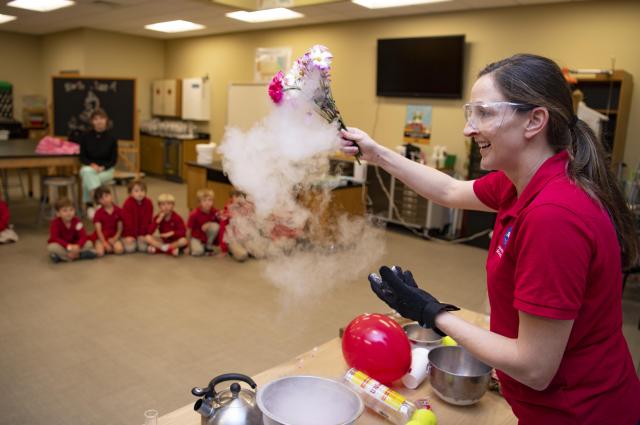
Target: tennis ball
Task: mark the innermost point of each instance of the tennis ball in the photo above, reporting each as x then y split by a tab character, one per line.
423	417
448	341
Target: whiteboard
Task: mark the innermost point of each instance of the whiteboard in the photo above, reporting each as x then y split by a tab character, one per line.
247	104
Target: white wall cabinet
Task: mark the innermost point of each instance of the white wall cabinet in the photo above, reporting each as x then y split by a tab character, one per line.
196	98
167	98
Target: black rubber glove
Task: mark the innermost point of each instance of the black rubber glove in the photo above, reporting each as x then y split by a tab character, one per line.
399	290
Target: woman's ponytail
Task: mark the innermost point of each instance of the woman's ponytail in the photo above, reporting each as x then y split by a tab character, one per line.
589	170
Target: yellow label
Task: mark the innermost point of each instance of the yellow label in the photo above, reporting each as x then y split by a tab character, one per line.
375	389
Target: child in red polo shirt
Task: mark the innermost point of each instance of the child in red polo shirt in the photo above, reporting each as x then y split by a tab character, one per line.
284	229
240	230
6	230
203	224
68	240
170	226
108	224
137	215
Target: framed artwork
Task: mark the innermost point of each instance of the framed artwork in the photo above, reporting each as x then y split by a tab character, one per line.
270	60
417	127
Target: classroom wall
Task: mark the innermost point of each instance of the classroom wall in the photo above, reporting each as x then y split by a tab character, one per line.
105	54
63	51
579	35
20	66
35	59
120	55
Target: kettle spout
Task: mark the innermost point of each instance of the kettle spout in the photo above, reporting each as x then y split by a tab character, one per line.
205	409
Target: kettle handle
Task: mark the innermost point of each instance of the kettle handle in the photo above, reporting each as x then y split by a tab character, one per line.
210	391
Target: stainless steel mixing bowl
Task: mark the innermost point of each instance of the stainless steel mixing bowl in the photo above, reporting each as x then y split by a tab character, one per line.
456	376
422	337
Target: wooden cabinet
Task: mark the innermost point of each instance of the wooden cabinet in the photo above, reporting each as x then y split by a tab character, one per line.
202	178
196	178
166	98
610	95
152	154
188	153
222	193
167	157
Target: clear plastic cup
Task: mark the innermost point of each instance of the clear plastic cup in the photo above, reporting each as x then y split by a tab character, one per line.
151	417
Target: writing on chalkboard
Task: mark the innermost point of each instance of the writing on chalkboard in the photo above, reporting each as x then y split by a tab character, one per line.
82	121
70	86
76	98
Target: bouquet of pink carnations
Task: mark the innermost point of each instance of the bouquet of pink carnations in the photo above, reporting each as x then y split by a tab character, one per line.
310	76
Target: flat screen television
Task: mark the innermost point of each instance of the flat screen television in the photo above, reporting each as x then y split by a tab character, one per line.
421	67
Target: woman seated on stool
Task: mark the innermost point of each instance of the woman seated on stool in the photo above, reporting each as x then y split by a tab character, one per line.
98	155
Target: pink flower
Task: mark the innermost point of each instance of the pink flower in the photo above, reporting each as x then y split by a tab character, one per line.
276	89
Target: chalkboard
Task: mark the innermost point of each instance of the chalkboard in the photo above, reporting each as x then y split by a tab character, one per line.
75	98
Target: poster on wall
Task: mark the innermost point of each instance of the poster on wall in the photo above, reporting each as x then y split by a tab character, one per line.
417	127
270	60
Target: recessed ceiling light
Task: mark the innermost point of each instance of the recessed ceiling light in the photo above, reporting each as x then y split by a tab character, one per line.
6	18
174	26
265	15
41	5
382	4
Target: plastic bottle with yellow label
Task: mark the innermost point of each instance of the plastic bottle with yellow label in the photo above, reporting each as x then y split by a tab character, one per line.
383	400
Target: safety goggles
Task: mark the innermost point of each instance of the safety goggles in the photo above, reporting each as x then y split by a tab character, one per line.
486	115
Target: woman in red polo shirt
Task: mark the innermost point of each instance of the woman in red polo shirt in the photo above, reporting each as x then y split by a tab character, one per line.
561	237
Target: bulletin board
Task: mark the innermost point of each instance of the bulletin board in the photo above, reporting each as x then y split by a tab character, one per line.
247	104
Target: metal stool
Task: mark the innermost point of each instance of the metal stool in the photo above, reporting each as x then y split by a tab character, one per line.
53	185
6	185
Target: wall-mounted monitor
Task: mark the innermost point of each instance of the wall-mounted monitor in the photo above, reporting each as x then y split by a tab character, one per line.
430	67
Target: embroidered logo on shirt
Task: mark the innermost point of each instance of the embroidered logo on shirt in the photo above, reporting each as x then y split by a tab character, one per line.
505	240
78	227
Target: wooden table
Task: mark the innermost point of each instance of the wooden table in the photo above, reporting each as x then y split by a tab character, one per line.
326	360
21	153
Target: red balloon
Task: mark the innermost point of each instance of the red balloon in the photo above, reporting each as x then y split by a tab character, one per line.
377	345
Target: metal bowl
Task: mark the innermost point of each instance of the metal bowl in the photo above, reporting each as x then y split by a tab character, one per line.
308	400
456	376
422	337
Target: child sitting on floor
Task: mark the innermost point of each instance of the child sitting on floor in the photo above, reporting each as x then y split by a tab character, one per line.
6	230
284	228
240	229
107	222
203	224
170	227
137	215
68	240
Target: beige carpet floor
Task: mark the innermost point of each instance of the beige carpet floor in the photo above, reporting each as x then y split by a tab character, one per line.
99	342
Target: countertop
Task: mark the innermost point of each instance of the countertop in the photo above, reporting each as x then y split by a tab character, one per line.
326	360
215	172
199	136
215	165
